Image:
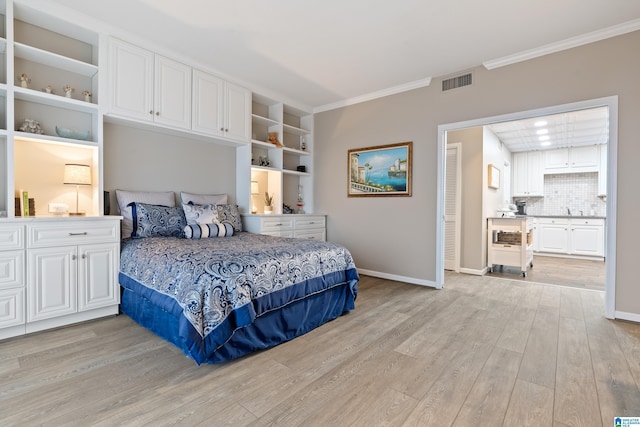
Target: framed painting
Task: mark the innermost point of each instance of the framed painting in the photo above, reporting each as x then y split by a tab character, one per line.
494	177
380	171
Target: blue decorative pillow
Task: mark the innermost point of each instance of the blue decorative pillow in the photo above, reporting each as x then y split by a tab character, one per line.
202	231
157	220
200	214
229	214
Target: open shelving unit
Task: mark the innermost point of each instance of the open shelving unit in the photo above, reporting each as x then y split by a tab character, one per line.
287	171
52	53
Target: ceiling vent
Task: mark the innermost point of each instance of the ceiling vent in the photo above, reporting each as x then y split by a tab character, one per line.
456	82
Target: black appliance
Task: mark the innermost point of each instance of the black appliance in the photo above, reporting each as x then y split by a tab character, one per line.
522	207
107	203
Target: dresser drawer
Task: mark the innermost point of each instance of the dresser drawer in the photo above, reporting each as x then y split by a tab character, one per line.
310	234
310	223
11	307
270	225
71	233
11	269
11	237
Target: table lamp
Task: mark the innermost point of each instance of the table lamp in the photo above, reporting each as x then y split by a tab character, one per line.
255	190
75	174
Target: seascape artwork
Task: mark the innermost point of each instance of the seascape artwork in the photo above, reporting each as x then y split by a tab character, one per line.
380	171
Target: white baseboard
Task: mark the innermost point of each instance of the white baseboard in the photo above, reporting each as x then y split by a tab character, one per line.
552	255
475	272
632	317
411	280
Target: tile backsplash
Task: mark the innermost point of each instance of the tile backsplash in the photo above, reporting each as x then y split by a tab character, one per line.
575	191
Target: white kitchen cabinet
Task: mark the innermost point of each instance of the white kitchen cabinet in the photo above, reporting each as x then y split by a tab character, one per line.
587	237
585	159
72	269
536	234
572	160
602	173
528	176
572	236
149	87
220	108
553	235
311	227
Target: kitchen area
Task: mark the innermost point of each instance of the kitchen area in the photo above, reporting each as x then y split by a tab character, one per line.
555	217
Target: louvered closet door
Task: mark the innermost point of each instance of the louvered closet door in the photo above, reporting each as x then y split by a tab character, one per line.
452	207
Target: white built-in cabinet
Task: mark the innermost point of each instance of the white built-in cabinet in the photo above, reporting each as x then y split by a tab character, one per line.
572	236
12	279
572	160
220	108
310	227
149	87
57	272
528	174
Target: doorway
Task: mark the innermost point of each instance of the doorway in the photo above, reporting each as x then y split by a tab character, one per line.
612	104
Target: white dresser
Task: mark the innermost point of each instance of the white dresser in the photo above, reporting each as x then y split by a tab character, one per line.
57	271
291	225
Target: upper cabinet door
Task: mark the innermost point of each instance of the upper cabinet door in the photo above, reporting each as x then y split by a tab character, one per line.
131	80
172	93
238	112
208	104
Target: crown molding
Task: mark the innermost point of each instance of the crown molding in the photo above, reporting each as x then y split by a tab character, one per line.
374	95
569	43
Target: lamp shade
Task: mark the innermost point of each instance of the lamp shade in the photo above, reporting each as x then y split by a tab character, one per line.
77	174
254	188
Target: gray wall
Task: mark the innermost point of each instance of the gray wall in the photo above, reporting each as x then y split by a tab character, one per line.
601	69
142	160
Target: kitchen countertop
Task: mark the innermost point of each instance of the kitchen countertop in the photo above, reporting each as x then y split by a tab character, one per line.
568	216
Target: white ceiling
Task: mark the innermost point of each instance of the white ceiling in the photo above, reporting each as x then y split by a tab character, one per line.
570	129
318	53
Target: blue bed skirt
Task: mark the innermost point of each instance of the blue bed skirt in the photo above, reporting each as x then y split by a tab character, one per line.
267	329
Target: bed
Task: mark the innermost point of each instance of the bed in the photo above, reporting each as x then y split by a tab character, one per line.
221	298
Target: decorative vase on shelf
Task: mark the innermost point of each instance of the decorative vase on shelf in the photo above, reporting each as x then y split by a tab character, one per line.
268	203
24	80
67	90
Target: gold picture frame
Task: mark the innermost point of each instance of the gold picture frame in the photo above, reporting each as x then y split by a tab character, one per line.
380	171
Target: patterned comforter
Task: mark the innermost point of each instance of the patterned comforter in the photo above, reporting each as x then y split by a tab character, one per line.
225	283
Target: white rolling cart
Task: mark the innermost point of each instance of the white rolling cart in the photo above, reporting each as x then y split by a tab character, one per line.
510	242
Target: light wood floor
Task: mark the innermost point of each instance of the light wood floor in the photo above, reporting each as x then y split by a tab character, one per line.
481	352
577	273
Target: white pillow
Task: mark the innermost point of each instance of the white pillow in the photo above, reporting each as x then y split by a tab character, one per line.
124	197
200	214
203	199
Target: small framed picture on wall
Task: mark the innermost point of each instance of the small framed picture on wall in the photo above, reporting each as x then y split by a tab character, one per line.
494	177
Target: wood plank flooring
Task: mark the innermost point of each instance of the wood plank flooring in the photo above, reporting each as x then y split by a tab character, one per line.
576	273
482	352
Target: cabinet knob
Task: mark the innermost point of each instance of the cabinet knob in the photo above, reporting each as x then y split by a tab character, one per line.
150	111
226	130
84	233
157	113
74	257
84	256
221	129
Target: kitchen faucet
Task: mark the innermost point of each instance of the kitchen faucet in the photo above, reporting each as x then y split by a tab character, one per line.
568	212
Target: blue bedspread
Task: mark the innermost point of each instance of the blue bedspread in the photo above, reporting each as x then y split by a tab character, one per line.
216	286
